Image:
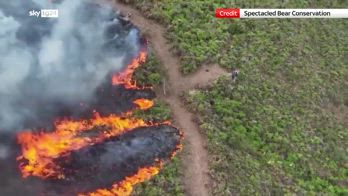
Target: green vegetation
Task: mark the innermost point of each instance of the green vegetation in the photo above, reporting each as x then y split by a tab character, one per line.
196	34
149	74
282	127
167	182
158	113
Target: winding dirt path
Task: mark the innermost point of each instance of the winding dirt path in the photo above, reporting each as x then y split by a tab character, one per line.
196	178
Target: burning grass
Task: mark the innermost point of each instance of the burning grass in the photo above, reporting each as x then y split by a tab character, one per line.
143	104
125	78
128	159
40	149
104	155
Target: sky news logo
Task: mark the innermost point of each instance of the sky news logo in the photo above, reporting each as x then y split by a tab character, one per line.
44	13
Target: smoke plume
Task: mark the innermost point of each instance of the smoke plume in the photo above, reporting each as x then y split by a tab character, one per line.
46	63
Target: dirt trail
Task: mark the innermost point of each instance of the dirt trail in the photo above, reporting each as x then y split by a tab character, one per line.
196	178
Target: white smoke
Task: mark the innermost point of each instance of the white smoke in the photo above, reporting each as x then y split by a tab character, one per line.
44	61
4	152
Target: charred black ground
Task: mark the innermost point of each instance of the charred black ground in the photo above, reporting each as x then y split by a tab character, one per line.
109	100
11	182
92	167
101	165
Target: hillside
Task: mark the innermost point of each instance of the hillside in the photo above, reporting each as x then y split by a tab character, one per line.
282	126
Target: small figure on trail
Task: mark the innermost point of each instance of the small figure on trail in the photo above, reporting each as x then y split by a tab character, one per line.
127	17
234	74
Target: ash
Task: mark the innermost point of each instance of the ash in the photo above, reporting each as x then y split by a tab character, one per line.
103	164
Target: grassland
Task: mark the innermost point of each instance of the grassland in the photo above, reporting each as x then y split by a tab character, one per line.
168	181
282	127
151	73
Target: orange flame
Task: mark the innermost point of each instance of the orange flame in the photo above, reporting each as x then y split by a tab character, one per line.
40	149
125	77
126	186
143	104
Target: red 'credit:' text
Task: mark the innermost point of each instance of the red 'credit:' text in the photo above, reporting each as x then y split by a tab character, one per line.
227	13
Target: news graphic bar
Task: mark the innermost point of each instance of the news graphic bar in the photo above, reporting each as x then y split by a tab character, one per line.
280	13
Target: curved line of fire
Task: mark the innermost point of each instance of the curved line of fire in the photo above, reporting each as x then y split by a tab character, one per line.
40	149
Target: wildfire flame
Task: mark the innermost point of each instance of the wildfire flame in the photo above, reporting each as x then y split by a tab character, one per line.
40	149
126	186
125	77
143	104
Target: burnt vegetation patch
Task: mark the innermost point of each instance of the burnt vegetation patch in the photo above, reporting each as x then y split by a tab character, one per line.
103	164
